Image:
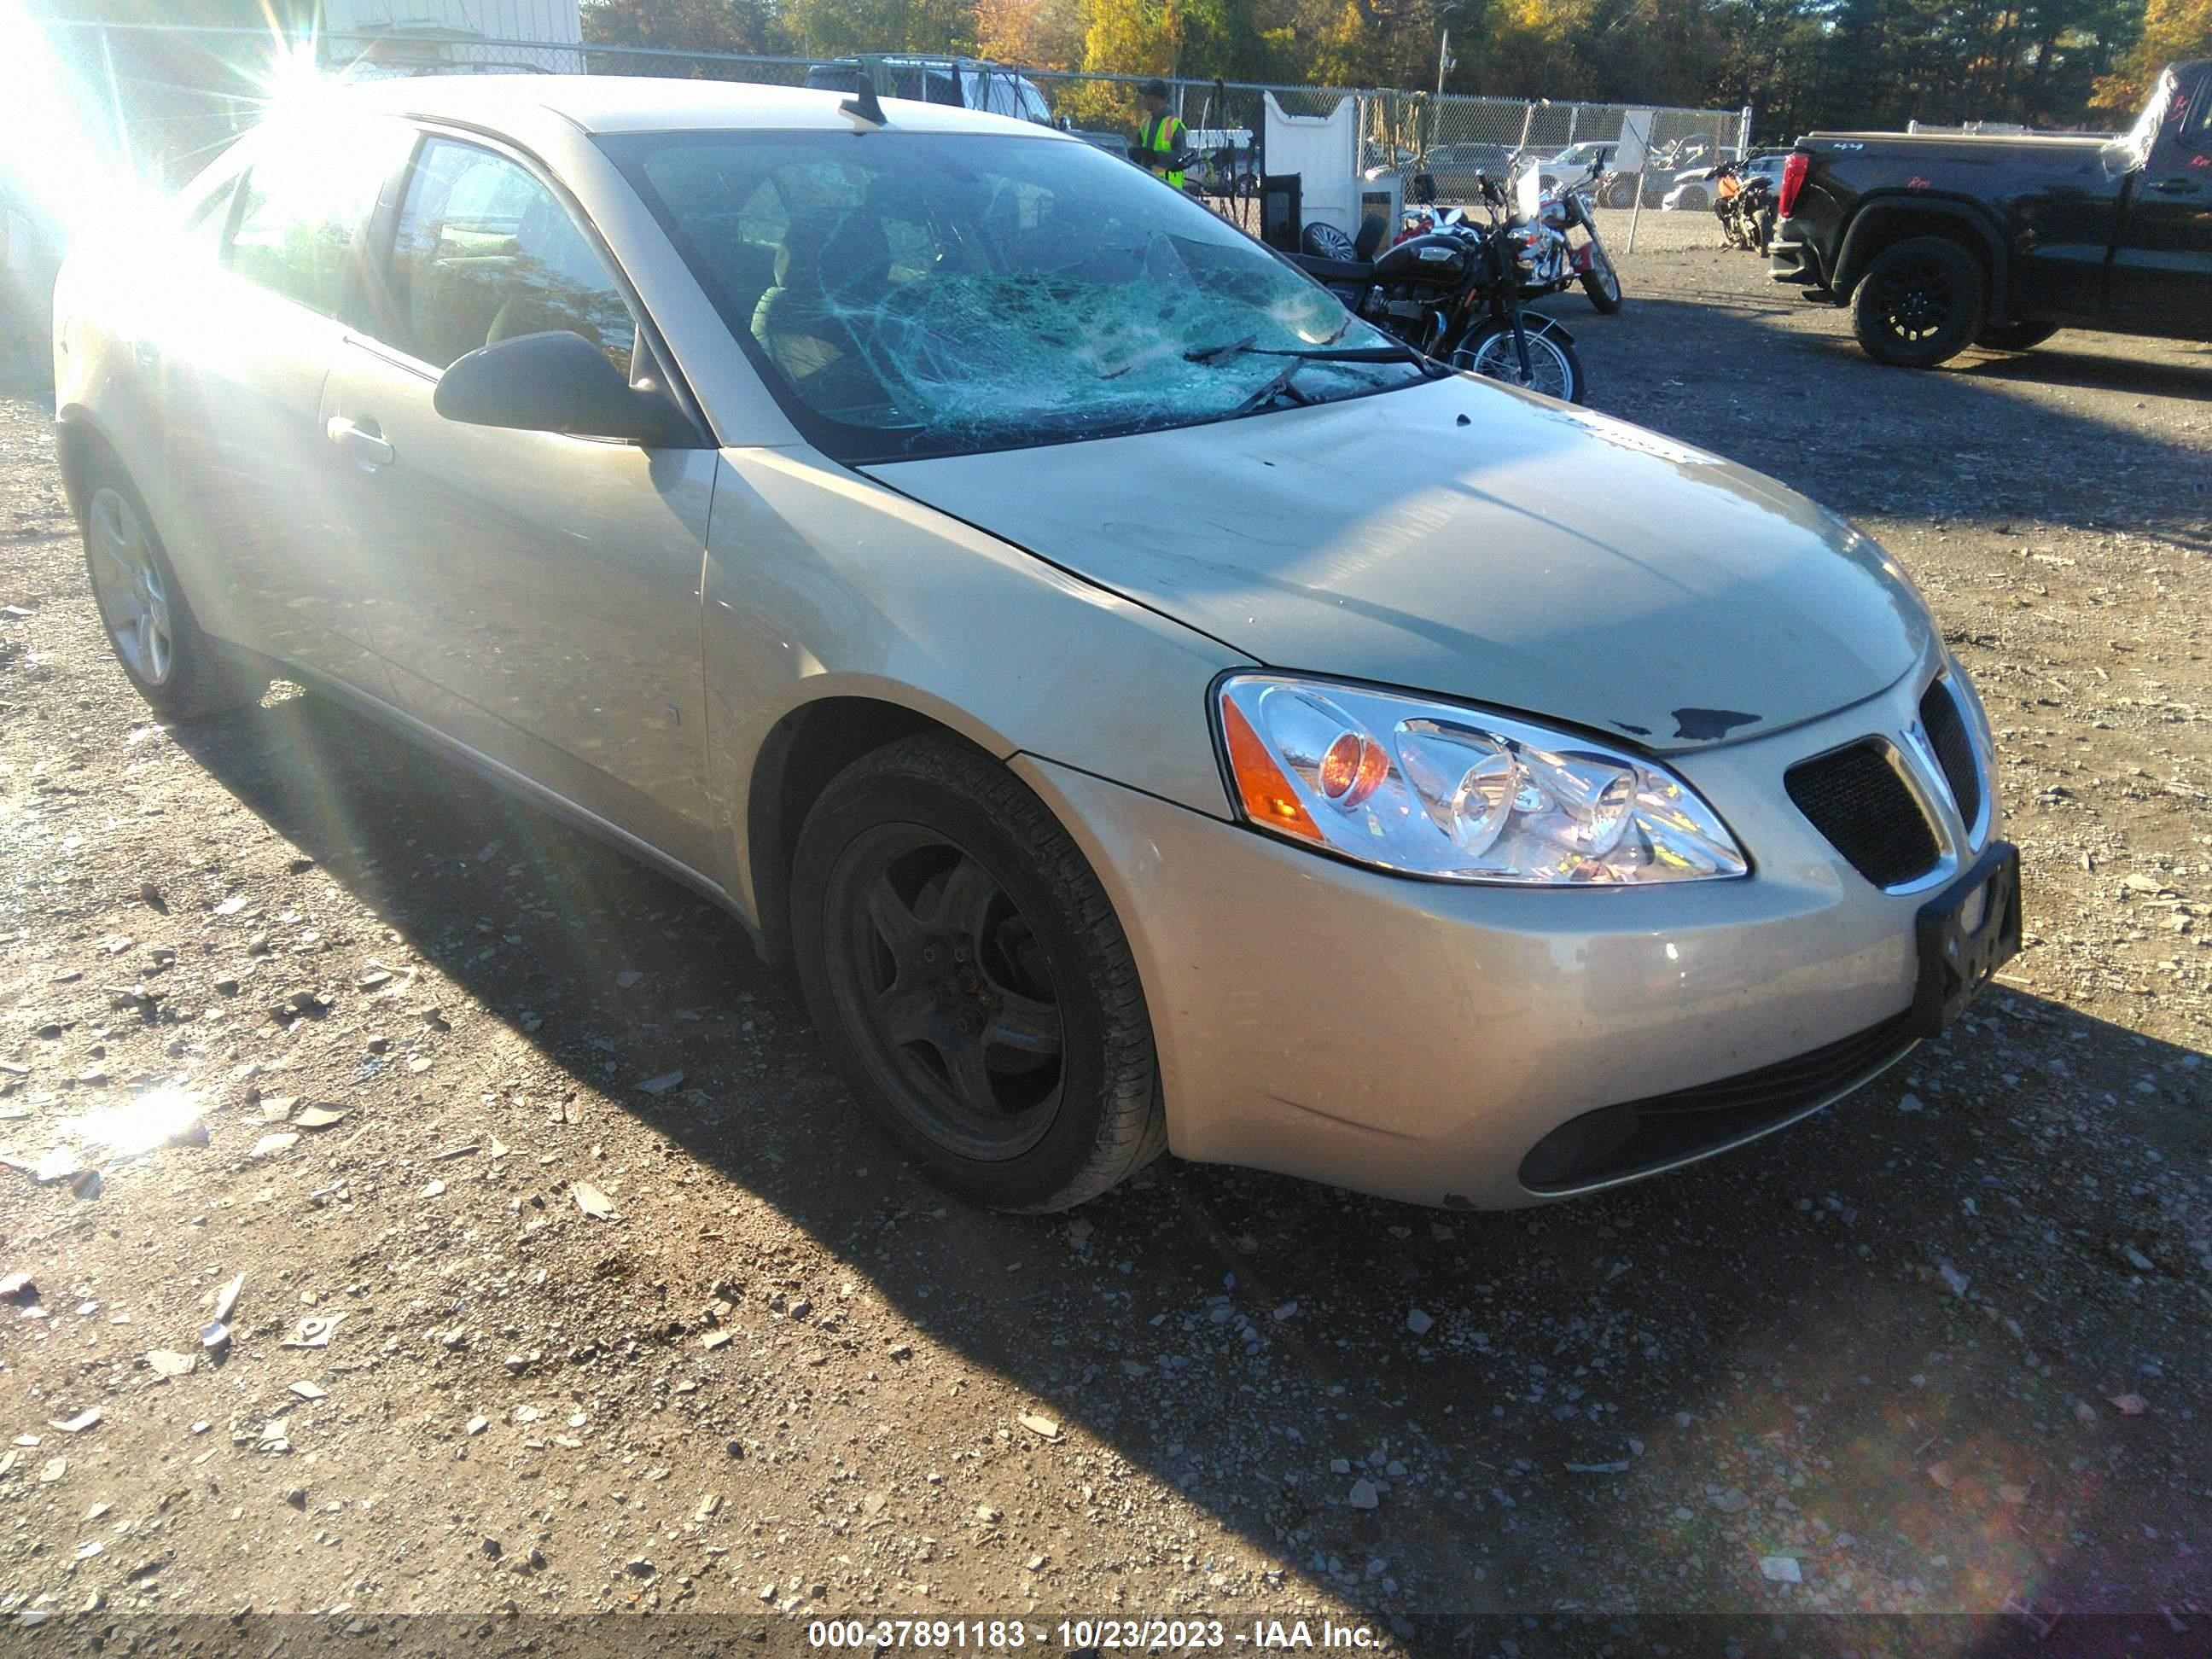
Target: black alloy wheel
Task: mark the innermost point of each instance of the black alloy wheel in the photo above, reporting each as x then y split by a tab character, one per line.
1920	302
945	980
972	982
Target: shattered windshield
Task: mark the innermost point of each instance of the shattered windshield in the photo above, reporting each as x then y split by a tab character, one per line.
910	294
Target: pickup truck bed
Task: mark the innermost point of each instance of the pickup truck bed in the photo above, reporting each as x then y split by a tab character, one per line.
1938	241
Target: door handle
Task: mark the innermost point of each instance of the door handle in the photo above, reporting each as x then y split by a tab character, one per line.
362	440
2177	186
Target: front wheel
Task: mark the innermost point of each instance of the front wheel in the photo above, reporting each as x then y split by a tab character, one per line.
1919	303
1600	281
182	673
969	977
1555	370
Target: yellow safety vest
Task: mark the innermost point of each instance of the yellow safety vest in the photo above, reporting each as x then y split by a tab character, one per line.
1159	135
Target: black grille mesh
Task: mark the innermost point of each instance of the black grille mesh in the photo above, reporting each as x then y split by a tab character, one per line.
1855	798
1955	749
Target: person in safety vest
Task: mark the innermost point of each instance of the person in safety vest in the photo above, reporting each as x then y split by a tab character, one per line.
1162	134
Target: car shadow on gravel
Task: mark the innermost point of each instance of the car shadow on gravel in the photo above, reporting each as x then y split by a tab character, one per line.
1863	1344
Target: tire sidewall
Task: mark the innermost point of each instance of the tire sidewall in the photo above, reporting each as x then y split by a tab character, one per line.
1092	1050
1961	324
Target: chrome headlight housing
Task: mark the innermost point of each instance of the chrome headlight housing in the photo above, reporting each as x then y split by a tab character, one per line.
1455	793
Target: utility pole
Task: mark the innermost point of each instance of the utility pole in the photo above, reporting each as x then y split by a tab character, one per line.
1444	58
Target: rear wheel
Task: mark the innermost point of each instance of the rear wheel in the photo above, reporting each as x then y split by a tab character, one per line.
181	672
1919	303
967	972
1555	370
2015	337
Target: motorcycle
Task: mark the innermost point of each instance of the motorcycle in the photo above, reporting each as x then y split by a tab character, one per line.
1744	203
1452	287
1564	211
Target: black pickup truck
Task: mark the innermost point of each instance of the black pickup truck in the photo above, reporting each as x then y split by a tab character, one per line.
1938	241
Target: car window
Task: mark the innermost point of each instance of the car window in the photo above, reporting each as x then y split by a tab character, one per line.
304	196
484	251
920	293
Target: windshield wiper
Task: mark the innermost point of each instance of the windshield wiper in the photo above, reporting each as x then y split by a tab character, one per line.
1279	386
1396	351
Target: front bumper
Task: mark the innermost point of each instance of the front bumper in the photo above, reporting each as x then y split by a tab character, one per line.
1419	1040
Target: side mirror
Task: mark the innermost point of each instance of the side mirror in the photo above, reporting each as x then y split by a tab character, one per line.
1422	187
553	382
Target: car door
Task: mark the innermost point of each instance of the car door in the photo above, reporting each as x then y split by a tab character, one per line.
250	338
2162	270
535	596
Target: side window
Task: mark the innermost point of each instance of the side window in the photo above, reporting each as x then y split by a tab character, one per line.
302	201
484	251
2196	130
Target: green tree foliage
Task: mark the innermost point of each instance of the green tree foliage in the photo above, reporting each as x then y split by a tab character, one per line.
2171	30
1799	63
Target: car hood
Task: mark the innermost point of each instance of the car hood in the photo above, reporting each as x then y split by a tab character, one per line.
1464	539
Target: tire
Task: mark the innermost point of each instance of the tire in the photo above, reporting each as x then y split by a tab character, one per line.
1488	351
1601	282
927	866
1693	201
2015	337
1919	303
1327	242
182	673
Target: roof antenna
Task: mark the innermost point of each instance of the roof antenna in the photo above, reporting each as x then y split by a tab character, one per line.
864	105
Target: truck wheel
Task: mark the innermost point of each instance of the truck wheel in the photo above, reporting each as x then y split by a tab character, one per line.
969	974
1919	303
2015	337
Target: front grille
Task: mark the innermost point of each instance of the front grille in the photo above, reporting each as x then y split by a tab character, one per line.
1856	798
1615	1142
1946	725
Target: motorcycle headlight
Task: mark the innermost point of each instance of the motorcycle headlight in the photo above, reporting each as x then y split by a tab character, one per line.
1455	793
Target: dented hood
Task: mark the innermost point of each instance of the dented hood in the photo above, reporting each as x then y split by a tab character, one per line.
1461	539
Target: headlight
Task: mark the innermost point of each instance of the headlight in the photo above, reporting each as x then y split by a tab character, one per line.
1458	793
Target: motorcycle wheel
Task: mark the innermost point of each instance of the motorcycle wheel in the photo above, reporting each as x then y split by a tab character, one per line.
1602	281
1488	351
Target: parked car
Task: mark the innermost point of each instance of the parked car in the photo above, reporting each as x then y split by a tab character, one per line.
1940	242
1457	171
1149	707
1571	166
1693	189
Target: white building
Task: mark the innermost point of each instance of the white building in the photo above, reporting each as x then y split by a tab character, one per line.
413	36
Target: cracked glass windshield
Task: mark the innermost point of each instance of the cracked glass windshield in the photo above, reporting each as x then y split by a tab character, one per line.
930	294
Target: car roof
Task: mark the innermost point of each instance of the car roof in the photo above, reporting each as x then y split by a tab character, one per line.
627	103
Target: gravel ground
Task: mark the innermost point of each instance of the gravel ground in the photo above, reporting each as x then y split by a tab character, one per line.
570	1282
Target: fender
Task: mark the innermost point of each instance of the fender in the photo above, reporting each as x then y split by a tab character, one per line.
1880	219
1538	322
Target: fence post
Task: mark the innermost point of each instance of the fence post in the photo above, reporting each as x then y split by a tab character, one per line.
1743	132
